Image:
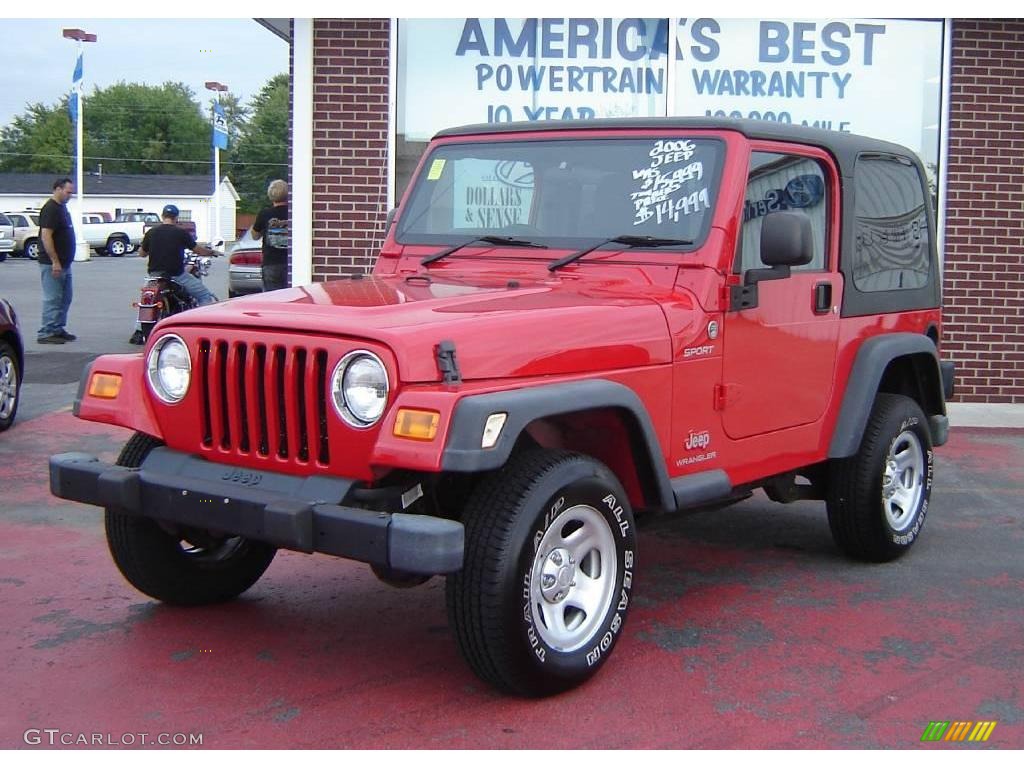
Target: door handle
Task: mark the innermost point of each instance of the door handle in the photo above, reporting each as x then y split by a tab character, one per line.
822	298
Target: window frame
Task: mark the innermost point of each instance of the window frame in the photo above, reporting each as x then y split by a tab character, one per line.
833	193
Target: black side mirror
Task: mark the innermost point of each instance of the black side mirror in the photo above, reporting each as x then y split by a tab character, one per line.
786	239
389	220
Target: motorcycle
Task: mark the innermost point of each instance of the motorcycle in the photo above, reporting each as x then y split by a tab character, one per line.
162	297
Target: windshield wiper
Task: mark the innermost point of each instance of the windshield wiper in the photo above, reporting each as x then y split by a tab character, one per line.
631	241
491	239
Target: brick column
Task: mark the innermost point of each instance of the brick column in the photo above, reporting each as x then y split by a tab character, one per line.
984	268
350	143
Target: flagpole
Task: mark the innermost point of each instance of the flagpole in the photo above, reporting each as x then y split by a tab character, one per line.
217	88
216	190
82	252
78	92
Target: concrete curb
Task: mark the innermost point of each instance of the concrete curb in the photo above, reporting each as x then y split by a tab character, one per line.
1004	415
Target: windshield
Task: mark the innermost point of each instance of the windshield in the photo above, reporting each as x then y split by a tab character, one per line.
565	193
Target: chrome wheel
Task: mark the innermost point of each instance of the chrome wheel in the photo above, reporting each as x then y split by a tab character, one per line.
573	578
32	249
117	247
8	386
903	480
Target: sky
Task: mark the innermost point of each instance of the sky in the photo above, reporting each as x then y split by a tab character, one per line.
37	62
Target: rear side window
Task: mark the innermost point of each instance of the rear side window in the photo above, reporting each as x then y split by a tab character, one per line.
891	247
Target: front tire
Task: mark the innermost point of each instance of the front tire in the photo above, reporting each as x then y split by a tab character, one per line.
180	566
547	580
878	498
32	249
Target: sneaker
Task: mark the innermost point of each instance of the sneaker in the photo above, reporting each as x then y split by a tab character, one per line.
54	339
137	338
65	335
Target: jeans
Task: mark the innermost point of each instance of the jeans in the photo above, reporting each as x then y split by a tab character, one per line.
275	276
195	288
56	299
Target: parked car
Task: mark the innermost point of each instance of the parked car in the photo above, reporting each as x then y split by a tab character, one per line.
12	362
567	322
26	232
245	267
122	235
6	237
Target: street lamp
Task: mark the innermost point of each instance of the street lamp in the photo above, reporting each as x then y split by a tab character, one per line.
213	85
81	246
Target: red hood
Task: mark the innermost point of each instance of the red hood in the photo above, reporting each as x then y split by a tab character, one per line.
501	328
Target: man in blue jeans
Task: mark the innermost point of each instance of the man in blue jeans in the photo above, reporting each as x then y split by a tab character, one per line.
165	246
55	259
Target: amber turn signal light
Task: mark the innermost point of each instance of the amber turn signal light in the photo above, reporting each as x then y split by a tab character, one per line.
416	425
106	385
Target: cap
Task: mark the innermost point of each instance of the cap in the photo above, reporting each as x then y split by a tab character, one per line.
170	210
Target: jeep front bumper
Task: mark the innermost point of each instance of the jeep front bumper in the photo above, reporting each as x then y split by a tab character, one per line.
290	512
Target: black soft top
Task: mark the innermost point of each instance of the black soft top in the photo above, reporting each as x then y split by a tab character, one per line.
844	147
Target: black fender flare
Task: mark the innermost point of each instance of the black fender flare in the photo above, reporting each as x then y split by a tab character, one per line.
873	357
462	452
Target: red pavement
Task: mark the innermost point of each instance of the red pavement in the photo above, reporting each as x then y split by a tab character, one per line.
749	630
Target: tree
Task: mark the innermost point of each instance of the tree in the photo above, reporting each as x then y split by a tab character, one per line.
129	128
147	129
134	128
39	141
262	153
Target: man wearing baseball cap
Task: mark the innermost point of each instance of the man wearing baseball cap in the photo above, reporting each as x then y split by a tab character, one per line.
165	246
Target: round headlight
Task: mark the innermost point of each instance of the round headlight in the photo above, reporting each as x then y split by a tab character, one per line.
169	368
359	389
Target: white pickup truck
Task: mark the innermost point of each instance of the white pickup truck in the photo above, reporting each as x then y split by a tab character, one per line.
120	236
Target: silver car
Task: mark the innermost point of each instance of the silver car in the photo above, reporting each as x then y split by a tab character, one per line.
245	267
26	232
6	237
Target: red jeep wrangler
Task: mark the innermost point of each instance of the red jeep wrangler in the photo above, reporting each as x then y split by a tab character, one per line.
567	324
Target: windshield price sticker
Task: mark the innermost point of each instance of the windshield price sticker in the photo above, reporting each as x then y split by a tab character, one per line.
661	196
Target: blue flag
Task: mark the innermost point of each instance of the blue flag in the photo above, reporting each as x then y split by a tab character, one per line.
76	83
220	127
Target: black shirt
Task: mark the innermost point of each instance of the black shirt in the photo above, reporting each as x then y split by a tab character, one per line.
166	244
56	217
274	224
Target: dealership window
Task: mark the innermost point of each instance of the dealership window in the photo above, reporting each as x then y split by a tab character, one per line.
877	77
464	71
891	248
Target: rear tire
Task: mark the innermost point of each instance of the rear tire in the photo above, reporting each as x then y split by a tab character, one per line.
878	498
32	249
547	580
117	246
186	567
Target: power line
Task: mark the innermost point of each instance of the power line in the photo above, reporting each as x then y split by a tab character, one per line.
132	159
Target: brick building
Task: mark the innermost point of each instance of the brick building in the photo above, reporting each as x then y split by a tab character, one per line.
358	86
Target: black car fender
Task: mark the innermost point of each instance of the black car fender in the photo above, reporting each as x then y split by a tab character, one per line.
463	451
873	359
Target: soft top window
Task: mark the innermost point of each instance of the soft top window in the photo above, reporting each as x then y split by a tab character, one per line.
891	247
565	193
